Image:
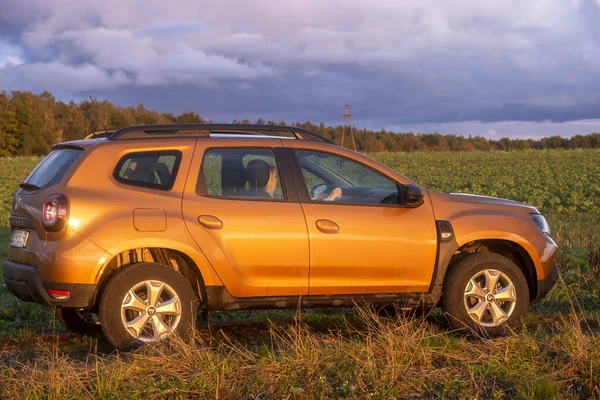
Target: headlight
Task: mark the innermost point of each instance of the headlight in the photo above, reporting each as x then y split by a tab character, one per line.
541	222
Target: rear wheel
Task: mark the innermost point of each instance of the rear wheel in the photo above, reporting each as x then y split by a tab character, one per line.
146	303
485	292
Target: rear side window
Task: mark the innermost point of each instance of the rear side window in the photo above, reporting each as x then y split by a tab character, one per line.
155	170
53	168
240	173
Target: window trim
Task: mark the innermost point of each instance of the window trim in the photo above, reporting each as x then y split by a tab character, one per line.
304	195
202	191
159	153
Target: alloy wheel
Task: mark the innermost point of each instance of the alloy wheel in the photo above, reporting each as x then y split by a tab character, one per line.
490	298
150	311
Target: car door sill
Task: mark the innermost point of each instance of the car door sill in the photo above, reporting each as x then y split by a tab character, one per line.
219	299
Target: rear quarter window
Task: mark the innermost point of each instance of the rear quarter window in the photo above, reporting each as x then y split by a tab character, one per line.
155	170
54	167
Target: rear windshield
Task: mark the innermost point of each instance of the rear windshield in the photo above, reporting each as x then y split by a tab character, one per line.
52	168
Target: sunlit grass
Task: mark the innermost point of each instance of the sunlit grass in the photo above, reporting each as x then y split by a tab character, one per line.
348	353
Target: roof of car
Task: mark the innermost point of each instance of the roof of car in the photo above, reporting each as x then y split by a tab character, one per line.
207	130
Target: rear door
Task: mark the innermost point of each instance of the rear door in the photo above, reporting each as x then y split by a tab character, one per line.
255	240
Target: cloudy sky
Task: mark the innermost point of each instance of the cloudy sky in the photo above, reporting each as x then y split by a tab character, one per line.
497	67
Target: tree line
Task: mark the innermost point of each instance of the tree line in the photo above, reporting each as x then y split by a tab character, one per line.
30	124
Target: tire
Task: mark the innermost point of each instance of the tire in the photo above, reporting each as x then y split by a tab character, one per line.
465	287
133	285
74	320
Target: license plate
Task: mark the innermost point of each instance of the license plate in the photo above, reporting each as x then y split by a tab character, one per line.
19	238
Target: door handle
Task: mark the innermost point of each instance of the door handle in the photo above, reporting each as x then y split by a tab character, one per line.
327	226
210	222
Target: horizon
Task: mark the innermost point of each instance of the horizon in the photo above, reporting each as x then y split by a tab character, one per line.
493	136
399	130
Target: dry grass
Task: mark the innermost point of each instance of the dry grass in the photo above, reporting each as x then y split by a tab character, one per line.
366	356
593	248
339	354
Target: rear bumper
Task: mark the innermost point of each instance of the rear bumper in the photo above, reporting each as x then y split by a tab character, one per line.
24	282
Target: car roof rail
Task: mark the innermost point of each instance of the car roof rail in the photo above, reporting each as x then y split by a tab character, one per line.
205	130
104	133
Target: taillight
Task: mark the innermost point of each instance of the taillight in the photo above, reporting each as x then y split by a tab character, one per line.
54	213
58	294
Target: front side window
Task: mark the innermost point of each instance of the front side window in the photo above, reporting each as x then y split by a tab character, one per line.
155	169
330	177
241	173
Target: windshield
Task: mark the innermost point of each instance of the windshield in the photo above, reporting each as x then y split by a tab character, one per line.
52	168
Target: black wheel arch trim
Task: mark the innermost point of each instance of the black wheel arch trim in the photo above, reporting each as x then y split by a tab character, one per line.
447	247
197	274
445	251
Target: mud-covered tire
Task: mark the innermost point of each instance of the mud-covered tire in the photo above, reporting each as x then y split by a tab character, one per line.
118	307
471	308
74	320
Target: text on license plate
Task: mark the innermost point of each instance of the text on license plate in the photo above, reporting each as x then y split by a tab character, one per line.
19	238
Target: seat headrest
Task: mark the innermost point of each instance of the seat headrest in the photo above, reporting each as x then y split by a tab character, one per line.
163	173
258	173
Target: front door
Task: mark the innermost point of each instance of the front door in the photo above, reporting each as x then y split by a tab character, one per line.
246	221
361	240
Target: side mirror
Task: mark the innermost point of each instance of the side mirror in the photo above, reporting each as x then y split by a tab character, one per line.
414	196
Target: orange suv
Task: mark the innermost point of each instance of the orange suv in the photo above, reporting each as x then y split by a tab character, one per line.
137	230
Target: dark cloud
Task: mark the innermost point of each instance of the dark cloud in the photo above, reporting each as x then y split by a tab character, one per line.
398	64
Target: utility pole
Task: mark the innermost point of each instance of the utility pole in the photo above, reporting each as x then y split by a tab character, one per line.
348	125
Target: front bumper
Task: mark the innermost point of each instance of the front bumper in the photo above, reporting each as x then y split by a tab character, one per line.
549	261
24	282
544	285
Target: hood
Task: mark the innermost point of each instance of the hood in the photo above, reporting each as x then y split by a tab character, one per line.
472	198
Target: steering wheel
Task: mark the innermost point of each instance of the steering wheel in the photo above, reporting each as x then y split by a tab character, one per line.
318	189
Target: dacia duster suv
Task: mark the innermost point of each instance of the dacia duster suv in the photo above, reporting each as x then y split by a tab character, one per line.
137	230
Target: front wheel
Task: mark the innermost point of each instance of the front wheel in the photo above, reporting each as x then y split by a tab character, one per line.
145	303
485	292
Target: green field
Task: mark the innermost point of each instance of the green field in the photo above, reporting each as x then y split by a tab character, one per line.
342	353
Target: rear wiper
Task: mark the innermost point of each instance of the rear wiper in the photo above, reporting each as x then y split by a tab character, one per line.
29	186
